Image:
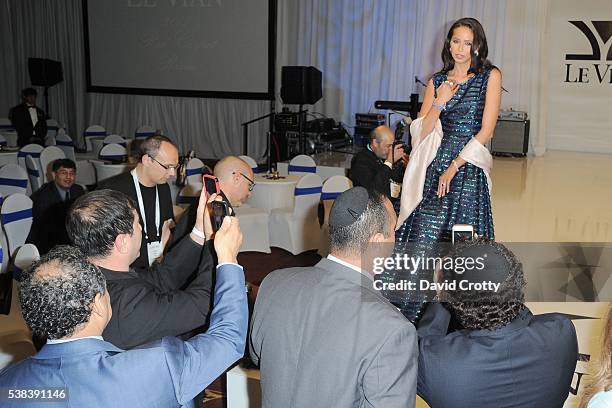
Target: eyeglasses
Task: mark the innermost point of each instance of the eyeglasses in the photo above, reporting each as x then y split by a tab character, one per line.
165	166
251	182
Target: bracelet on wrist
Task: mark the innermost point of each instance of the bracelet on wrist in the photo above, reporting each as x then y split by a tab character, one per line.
198	233
456	166
441	107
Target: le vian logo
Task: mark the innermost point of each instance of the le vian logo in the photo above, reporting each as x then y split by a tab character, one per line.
601	51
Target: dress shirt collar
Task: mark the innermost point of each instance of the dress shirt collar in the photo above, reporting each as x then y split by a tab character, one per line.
348	265
59	341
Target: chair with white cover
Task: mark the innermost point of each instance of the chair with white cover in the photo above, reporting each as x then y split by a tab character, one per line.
251	162
86	173
52	127
26	255
5	124
302	164
254	224
16	216
114	153
194	171
34	173
32	149
332	188
47	157
106	170
297	229
13	179
144	131
94	131
190	194
64	142
114	139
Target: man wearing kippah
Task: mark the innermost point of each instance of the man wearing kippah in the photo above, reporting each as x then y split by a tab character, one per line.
323	336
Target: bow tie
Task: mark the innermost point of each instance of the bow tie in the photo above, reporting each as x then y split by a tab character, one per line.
31	107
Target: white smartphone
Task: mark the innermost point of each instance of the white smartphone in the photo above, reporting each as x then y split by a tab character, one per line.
462	232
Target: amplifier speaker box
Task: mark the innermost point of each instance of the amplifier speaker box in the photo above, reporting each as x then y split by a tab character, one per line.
45	72
510	137
301	85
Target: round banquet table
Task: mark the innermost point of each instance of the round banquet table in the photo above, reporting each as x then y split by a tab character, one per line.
269	194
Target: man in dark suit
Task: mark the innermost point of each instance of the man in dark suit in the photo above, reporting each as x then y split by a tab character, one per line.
502	355
169	298
148	186
375	167
50	204
29	121
323	336
65	299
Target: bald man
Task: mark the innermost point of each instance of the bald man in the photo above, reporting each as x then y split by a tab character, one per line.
373	167
235	182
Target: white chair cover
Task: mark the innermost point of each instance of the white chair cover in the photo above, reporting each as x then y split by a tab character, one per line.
254	224
94	131
114	153
52	127
5	258
105	170
13	179
297	229
33	150
47	157
302	164
251	162
194	171
64	142
332	188
114	139
16	215
144	131
6	125
34	173
25	256
190	194
3	141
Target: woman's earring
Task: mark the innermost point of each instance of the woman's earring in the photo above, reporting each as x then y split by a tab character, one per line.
476	53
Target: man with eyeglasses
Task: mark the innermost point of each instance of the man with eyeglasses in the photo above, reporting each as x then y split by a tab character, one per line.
50	204
148	186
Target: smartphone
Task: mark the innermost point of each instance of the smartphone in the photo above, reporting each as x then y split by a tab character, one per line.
462	232
219	210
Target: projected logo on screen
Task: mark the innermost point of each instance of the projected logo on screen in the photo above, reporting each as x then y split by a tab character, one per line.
601	50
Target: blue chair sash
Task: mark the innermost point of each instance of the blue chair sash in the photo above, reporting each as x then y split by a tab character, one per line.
193	172
124	144
302	169
143	135
64	143
307	190
33	173
16	216
35	155
330	195
114	158
94	134
3	143
13	182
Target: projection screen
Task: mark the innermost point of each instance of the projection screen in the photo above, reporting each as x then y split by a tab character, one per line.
205	48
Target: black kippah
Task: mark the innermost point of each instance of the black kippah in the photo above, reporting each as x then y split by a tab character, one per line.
348	207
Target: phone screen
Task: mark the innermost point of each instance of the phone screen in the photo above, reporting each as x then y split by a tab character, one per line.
219	211
459	236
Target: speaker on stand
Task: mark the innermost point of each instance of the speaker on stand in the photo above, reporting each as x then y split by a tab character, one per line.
45	73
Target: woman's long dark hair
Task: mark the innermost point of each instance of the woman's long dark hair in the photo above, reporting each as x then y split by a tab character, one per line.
480	61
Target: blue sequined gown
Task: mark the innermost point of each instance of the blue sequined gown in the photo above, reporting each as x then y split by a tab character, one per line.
468	201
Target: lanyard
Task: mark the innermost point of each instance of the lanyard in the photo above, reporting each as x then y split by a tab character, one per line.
141	206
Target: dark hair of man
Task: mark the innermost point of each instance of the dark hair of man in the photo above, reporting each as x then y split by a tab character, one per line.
354	239
29	92
150	146
478	310
65	163
96	219
480	61
57	292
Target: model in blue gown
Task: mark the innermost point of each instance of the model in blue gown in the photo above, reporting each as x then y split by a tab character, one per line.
468	201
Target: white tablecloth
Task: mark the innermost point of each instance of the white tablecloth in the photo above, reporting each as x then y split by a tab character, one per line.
11	138
270	194
328	164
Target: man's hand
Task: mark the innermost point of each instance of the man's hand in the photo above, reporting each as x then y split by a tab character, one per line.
228	240
203	222
395	154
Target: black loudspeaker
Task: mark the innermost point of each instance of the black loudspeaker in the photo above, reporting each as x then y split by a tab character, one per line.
45	72
301	85
510	137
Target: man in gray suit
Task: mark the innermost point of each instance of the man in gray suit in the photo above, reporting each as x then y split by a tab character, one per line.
322	335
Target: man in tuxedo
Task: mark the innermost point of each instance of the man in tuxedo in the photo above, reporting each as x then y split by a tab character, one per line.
169	298
50	205
147	185
65	299
323	336
235	183
501	355
375	166
29	121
